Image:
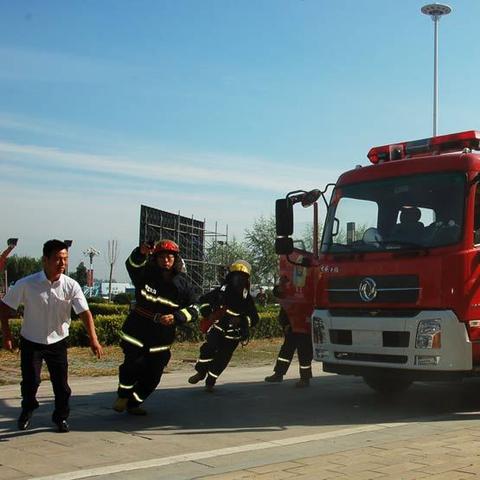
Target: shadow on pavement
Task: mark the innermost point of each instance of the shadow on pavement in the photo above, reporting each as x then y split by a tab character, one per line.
258	406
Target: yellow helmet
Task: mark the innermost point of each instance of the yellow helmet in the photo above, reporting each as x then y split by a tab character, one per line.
241	266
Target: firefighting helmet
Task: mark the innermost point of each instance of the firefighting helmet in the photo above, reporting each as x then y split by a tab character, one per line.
241	266
166	246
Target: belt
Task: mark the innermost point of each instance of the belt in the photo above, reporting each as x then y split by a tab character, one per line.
143	312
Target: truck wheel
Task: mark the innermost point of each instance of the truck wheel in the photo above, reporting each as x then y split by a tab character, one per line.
387	385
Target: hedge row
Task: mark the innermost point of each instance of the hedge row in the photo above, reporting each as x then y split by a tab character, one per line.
108	328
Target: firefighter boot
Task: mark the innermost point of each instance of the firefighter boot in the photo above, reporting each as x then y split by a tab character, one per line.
120	404
210	383
196	378
209	387
303	383
275	378
139	411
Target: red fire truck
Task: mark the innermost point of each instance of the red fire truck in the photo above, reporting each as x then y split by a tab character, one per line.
392	290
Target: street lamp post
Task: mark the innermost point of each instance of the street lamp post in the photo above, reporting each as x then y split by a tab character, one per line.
90	252
435	11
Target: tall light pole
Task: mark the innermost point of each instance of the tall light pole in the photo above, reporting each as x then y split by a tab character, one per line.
435	11
90	252
112	258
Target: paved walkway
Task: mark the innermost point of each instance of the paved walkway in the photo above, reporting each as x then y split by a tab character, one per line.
218	440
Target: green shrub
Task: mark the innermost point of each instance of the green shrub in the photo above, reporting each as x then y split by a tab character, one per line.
268	325
123	298
108	328
97	300
108	309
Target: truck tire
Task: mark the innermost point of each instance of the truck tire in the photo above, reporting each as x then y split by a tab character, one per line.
387	385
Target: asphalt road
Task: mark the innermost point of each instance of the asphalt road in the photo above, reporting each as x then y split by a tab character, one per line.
245	424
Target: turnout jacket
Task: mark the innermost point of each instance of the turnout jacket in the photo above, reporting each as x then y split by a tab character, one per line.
233	313
154	297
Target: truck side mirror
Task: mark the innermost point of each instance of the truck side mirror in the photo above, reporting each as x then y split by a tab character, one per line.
283	245
284	217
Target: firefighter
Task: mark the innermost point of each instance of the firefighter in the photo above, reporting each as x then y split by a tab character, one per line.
164	299
299	340
232	311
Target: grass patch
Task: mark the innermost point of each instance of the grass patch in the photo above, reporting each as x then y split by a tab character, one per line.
82	363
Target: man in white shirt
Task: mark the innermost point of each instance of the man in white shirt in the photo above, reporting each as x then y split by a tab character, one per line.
48	297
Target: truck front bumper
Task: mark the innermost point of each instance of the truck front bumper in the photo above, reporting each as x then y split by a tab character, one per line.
429	341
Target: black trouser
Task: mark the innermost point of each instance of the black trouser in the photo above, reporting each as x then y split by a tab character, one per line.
140	372
215	354
55	356
302	342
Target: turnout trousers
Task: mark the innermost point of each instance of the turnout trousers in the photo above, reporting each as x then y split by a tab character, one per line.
302	343
140	372
31	358
215	354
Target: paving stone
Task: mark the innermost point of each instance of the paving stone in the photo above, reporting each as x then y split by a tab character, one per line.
7	473
274	467
338	459
400	468
447	467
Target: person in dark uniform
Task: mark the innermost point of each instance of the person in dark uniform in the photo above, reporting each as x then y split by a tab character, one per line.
164	299
301	341
232	311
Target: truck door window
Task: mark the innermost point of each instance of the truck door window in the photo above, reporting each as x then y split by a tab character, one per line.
476	217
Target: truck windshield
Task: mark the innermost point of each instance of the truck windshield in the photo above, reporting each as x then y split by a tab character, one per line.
418	211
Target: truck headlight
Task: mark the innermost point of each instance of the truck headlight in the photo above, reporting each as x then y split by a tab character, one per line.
429	334
318	330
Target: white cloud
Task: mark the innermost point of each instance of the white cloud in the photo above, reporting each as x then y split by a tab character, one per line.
207	169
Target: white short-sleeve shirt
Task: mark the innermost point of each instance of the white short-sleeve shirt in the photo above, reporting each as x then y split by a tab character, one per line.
48	305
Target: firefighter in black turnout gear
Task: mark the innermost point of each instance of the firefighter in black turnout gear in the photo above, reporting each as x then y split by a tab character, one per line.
164	299
232	311
298	339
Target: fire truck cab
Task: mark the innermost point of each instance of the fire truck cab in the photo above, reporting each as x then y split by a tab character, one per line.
395	281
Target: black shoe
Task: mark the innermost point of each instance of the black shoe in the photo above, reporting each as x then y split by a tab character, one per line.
62	426
24	419
275	378
209	388
196	378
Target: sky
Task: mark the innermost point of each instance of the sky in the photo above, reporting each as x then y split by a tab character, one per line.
210	108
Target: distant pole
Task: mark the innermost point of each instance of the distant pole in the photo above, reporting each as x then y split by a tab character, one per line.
112	258
90	252
435	11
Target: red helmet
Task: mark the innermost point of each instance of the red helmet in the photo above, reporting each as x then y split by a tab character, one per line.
166	246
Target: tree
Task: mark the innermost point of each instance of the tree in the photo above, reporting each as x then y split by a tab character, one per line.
221	254
19	267
307	236
80	274
260	243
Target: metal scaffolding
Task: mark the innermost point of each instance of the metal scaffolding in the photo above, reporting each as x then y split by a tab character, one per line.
195	241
